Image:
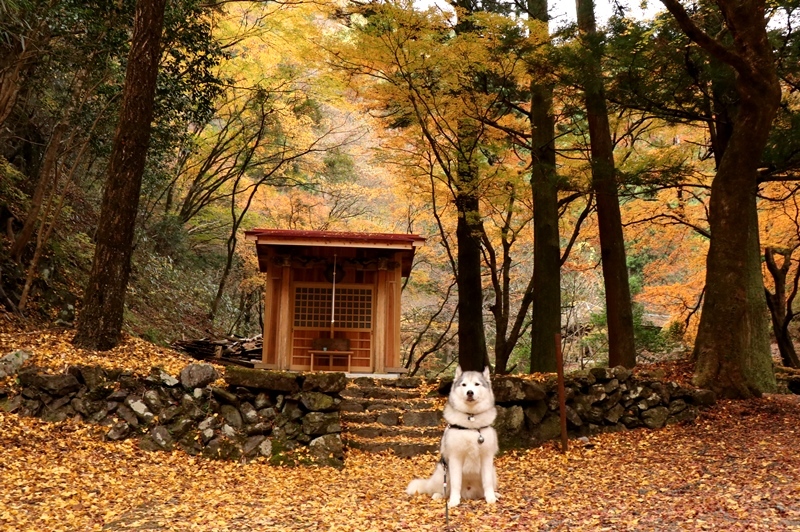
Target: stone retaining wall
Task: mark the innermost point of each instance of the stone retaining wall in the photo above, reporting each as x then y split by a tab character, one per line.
598	400
279	415
295	417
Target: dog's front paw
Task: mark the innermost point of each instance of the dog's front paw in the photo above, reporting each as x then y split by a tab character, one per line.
437	496
414	487
454	501
491	497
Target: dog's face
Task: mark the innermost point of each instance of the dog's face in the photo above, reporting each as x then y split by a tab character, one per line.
472	390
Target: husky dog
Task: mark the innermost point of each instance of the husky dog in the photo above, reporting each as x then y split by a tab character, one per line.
469	443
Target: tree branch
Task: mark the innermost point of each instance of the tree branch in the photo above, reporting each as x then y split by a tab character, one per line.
709	44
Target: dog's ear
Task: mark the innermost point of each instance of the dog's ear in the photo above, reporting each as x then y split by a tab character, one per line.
458	373
486	373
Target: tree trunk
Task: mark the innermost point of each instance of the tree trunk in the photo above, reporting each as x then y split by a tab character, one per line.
49	221
10	83
21	52
507	331
732	345
226	271
621	348
17	61
546	319
472	352
44	184
100	320
780	309
723	90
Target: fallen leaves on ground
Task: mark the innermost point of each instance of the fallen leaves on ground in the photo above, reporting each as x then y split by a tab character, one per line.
734	468
52	350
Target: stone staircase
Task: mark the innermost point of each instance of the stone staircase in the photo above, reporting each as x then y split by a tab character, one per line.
402	415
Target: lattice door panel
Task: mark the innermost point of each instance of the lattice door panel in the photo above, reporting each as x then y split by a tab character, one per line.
353	307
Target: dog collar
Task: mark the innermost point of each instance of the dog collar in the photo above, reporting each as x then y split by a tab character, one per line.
480	436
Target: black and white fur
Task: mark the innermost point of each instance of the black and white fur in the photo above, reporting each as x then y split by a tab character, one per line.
469	443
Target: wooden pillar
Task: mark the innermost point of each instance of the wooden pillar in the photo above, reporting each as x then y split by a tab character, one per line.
267	333
394	284
379	324
283	342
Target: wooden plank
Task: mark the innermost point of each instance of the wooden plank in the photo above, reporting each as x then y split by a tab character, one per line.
284	318
379	320
330	355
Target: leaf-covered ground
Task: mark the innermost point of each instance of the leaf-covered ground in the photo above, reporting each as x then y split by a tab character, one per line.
735	468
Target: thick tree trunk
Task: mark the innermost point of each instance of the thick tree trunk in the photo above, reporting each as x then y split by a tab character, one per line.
732	345
100	320
723	90
621	348
546	319
472	352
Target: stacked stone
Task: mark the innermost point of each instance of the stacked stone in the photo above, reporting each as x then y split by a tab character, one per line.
598	400
256	413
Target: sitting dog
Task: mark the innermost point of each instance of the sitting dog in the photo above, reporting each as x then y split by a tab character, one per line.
469	444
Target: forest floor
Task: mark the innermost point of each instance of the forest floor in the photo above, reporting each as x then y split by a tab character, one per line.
734	468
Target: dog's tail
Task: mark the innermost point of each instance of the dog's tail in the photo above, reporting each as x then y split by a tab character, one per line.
433	486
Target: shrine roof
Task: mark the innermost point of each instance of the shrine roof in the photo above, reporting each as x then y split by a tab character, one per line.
405	243
289	237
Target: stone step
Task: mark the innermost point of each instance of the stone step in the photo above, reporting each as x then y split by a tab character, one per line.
356	418
413	418
401	415
376	431
354	405
404	446
400	382
381	392
368	406
401	449
393	416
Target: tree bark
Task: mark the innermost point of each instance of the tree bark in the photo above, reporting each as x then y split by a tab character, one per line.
472	352
546	318
25	41
780	309
100	320
16	62
44	184
732	345
45	230
621	348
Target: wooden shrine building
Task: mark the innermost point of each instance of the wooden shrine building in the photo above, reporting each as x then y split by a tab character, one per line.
332	299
